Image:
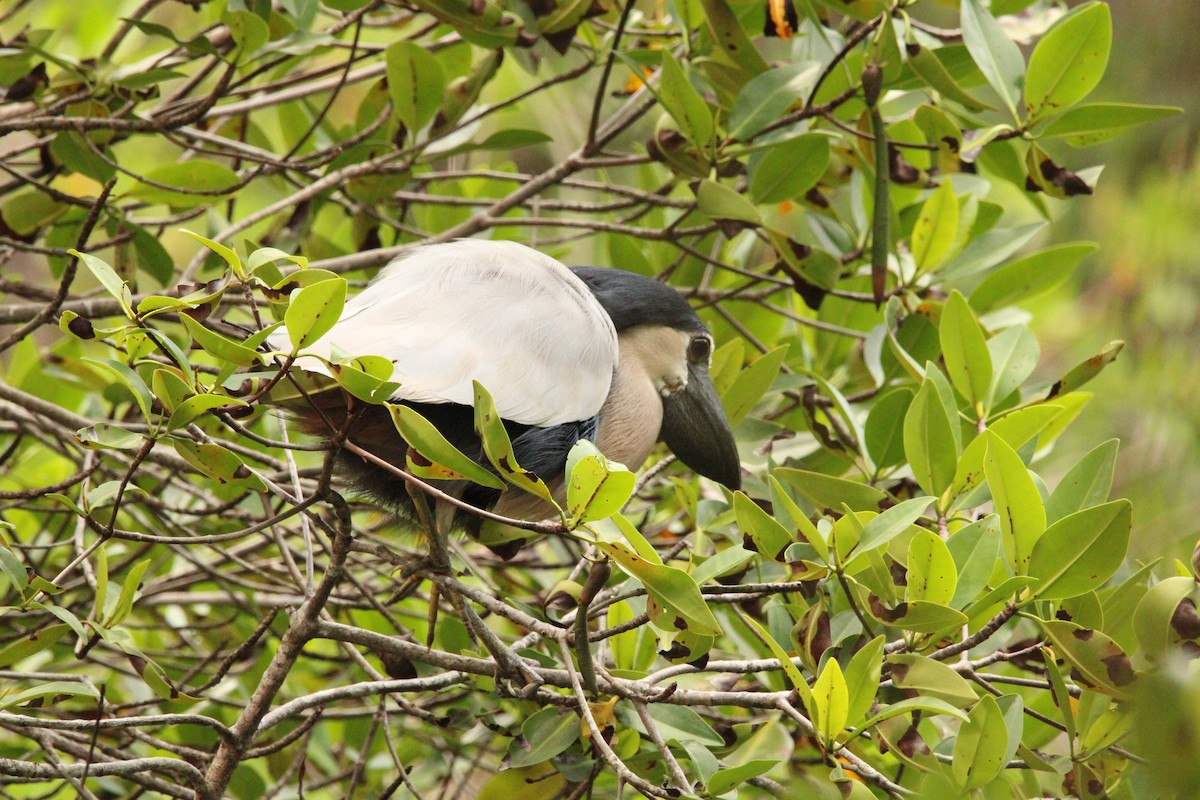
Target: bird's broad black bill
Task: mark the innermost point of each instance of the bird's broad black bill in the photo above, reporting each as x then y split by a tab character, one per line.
698	432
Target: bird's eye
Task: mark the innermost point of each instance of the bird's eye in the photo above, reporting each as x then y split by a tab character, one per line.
700	349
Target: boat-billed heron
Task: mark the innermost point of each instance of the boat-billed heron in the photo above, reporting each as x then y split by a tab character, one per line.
567	354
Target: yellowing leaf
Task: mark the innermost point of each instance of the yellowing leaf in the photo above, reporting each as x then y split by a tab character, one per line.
936	228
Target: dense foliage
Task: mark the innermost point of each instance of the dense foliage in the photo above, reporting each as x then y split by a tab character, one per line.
848	189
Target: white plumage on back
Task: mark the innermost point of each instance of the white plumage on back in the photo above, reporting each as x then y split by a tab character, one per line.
500	313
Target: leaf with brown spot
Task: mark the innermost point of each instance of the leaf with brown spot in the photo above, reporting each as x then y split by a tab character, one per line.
673	589
1185	620
79	326
1095	659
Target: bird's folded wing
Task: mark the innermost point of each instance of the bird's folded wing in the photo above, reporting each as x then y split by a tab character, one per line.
500	313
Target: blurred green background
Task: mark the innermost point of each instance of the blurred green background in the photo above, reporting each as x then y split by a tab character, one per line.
1144	284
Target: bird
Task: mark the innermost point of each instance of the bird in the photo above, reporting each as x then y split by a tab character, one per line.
567	354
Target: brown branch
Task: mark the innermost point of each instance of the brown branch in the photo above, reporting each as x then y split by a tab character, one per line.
302	626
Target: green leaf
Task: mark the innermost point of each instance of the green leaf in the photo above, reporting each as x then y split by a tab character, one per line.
723	562
544	735
596	488
632	650
936	229
827	491
789	169
188	177
991	600
727	359
1023	424
69	148
155	304
931	70
27	212
793	517
1089	369
726	780
150	77
768	96
445	461
1118	603
1018	503
1012	708
922	616
13	568
218	463
124	605
640	545
683	102
945	393
219	345
932	575
862	679
152	257
832	701
366	377
49	689
129	379
1081	551
974	549
883	433
767	535
1030	276
931	678
1015	353
892	522
415	83
152	673
1086	484
683	724
1096	659
989	249
197	405
751	384
1084	126
1069	61
790	669
498	447
998	57
72	324
109	279
1072	405
672	588
31	644
720	203
965	350
915	325
227	254
735	60
1154	612
267	255
980	746
248	30
929	442
313	311
1060	693
687	646
105	436
1106	730
101	598
911	704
